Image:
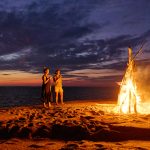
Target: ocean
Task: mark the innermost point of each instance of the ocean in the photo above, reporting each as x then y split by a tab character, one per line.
24	96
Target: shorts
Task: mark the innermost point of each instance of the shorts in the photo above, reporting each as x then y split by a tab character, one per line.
58	89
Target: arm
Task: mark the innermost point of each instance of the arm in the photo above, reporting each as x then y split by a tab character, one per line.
44	80
56	78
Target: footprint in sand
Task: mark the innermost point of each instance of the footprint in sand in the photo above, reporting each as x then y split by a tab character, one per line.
31	117
36	146
10	121
24	132
22	119
100	146
13	130
70	147
39	117
30	125
50	143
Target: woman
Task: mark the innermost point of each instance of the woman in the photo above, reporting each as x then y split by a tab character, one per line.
58	86
46	87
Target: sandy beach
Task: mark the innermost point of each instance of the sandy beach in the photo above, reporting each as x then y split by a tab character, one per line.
74	125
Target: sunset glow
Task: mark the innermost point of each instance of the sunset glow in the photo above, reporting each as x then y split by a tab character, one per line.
19	78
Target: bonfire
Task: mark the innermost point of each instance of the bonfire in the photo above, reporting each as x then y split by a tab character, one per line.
128	97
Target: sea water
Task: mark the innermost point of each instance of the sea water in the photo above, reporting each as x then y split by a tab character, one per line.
22	96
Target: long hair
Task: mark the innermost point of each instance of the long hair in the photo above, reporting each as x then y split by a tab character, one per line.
45	69
57	71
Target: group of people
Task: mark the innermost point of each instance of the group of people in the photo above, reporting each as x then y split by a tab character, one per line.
51	87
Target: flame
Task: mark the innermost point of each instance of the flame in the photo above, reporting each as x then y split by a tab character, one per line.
128	97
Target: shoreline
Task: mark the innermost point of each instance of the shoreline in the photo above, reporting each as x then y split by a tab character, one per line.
100	101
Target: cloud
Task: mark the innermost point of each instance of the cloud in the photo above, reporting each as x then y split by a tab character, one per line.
16	55
94	73
77	35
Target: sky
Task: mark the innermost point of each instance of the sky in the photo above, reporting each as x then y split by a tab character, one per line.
86	39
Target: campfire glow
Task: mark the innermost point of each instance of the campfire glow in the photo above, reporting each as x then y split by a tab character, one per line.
128	98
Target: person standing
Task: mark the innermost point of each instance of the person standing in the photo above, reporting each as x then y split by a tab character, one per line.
46	87
58	86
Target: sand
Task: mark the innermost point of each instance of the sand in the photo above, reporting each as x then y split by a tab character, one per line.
74	125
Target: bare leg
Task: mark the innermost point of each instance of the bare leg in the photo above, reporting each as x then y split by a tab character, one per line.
49	104
44	104
61	97
56	98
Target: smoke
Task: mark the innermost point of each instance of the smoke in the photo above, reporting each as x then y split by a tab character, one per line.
142	75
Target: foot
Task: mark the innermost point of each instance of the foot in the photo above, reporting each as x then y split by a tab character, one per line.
45	105
49	105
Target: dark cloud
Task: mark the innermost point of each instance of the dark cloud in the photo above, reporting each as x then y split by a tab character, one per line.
79	56
59	34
